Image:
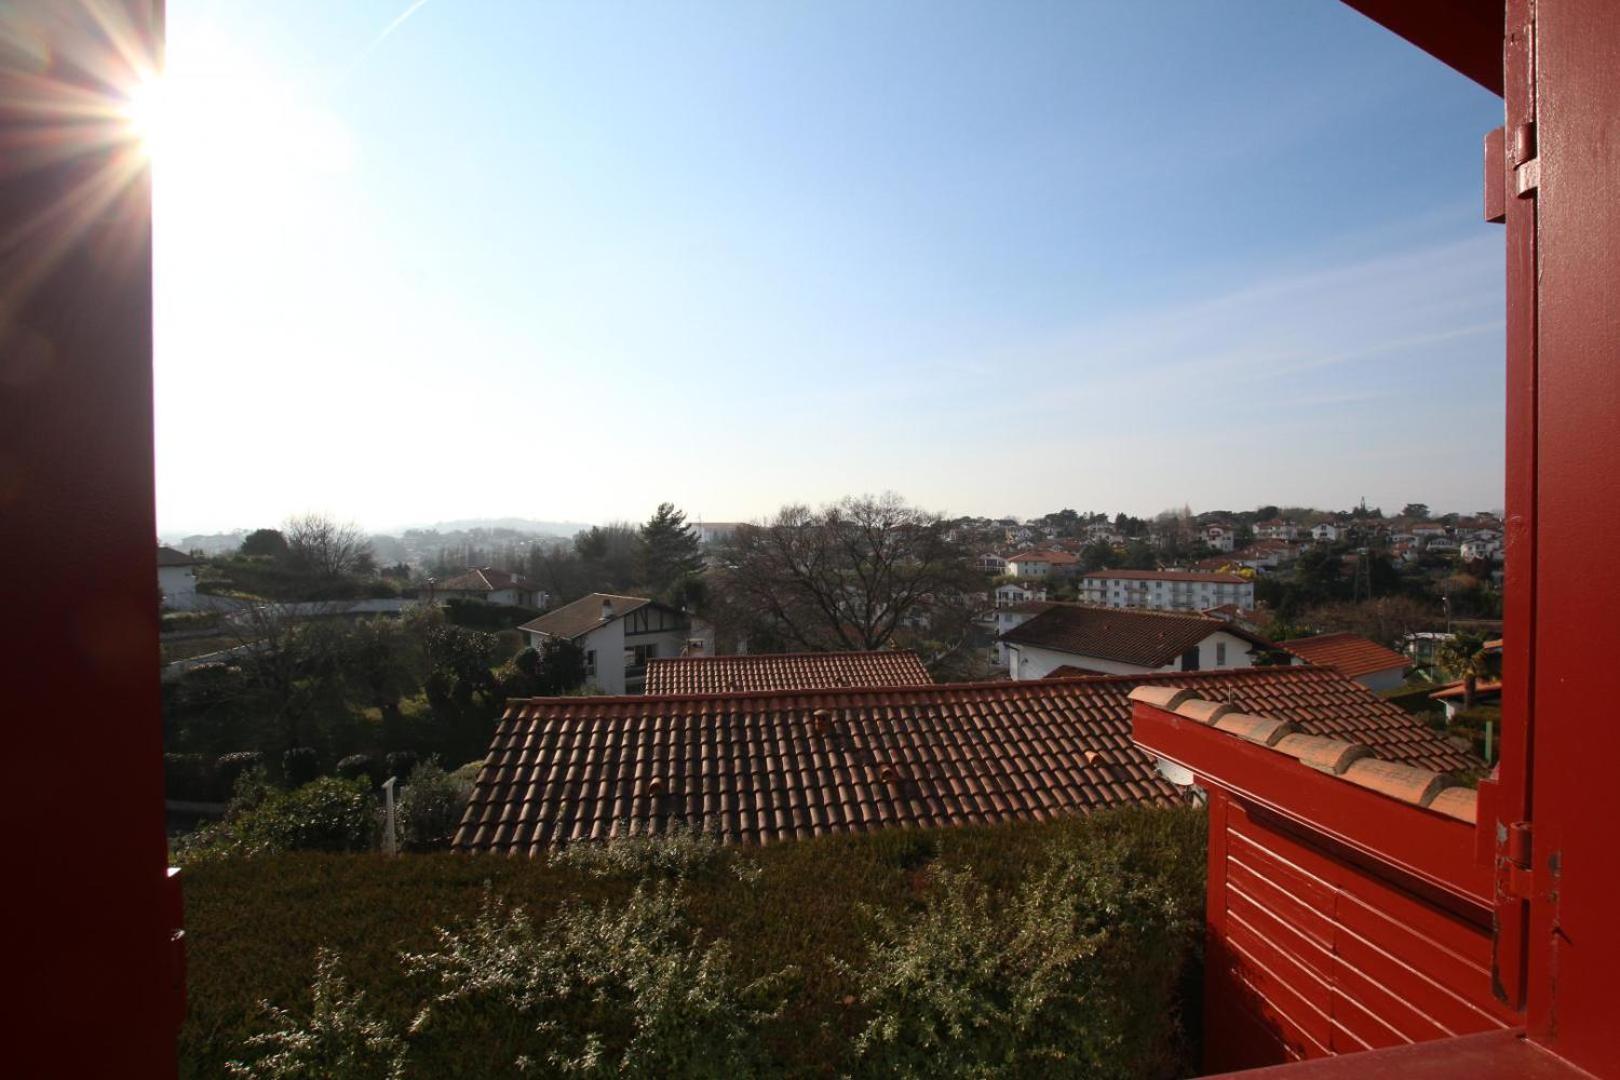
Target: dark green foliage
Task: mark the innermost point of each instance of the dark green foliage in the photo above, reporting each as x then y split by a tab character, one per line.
557	667
254	926
430	807
231	766
399	763
481	615
682	854
358	767
670	551
597	990
336	1039
979	986
269	543
327	815
300	765
1471	724
252	788
179	621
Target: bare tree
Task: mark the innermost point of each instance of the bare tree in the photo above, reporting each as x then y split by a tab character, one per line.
320	546
854	575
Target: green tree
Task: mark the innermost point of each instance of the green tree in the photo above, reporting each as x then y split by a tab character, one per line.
1416	510
1465	657
268	542
669	550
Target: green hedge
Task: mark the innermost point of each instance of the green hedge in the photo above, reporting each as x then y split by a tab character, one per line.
482	615
838	914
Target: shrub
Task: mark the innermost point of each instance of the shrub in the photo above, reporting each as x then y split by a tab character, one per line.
431	806
967	987
250	791
339	1038
327	815
596	990
358	767
482	615
173	621
300	765
254	924
233	765
682	853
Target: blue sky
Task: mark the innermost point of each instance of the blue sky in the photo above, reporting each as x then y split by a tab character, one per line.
566	261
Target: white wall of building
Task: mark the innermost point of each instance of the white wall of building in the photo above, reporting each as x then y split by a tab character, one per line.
1218	652
1165	594
179	587
608	651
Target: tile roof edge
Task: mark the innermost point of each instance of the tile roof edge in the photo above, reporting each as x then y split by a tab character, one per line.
1032	685
1361	765
786	655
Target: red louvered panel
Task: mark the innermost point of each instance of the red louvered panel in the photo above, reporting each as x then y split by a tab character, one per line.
1330	955
1277	993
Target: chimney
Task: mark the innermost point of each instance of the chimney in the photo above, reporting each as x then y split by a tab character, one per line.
607	609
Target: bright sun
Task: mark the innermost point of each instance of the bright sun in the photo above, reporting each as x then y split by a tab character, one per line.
233	125
144	111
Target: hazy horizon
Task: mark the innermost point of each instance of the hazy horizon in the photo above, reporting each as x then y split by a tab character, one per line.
420	261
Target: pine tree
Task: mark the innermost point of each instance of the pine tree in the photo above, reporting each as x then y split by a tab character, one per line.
670	550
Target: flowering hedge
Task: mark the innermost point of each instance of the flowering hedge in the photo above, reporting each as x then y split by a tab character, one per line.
1060	948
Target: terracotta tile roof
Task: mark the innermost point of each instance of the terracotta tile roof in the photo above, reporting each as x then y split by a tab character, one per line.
485	579
168	556
1149	639
1056	558
1030	607
1457	691
583	615
1354	762
1350	655
785	671
1166	575
1070	671
774	766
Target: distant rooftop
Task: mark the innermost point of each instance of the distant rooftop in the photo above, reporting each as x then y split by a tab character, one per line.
1149	639
785	671
1166	575
1351	655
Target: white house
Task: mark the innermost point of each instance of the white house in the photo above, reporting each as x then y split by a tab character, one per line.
1108	641
710	533
992	564
1220	537
1353	656
1165	590
1018	592
492	586
1277	529
1480	550
1040	564
177	581
619	635
1325	533
1007	618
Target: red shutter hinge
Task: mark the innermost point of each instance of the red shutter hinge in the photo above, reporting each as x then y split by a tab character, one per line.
1515	850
